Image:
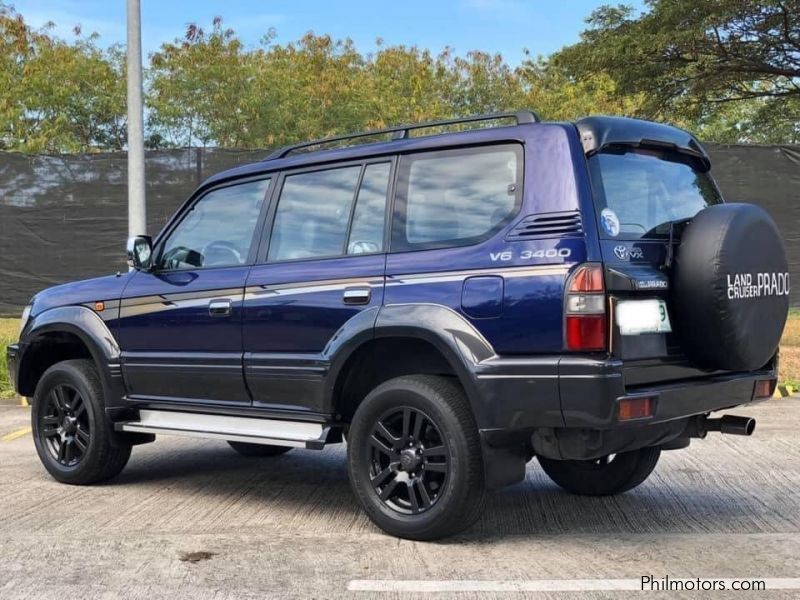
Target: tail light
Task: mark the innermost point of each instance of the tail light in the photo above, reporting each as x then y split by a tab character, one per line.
585	310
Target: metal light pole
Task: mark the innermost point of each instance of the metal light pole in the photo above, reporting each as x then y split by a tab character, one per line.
137	219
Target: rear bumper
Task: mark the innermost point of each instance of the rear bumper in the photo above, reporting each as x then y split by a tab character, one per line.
12	360
591	391
585	393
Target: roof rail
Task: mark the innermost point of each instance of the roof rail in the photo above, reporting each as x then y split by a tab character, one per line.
401	132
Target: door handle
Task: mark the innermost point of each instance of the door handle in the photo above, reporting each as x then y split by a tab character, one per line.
219	308
357	295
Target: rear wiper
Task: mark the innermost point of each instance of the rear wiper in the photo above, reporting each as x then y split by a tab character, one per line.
673	225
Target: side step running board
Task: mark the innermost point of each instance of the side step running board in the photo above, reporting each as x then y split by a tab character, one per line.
297	434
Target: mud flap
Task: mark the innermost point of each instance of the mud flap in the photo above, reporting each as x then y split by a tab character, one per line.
504	465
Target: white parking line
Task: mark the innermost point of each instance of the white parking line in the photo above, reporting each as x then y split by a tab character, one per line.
562	585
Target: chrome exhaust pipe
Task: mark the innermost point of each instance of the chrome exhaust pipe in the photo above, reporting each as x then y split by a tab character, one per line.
728	424
731	424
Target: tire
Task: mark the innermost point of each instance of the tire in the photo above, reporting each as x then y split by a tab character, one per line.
730	288
598	478
414	440
254	450
74	438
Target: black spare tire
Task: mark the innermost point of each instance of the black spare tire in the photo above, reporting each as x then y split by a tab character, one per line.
731	287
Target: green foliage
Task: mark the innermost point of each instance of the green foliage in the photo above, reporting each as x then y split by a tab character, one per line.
557	97
58	96
199	90
729	69
9	332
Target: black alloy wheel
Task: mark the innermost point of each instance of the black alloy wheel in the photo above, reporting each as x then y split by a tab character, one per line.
415	459
409	462
64	425
74	436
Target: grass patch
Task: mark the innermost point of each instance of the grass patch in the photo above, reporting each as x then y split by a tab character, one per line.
790	352
9	331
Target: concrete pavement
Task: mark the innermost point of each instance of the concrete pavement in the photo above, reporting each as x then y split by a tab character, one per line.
288	527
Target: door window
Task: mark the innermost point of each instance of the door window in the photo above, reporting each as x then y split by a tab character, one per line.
369	217
316	210
218	230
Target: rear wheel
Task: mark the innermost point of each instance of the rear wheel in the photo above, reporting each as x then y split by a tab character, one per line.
73	437
246	449
414	458
612	474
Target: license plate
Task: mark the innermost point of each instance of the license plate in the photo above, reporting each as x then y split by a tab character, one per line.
635	317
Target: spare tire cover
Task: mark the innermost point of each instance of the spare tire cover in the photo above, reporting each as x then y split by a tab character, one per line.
730	287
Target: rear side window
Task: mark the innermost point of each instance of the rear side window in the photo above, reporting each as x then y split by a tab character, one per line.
639	192
331	212
313	214
369	217
456	197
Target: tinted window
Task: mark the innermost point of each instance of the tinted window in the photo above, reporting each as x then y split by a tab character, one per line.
218	230
456	197
638	192
366	232
313	214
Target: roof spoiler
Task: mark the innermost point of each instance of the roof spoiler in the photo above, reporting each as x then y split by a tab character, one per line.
601	132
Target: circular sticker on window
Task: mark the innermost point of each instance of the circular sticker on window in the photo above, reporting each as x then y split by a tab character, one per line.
610	222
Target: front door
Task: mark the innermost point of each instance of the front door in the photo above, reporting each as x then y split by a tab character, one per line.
324	266
180	328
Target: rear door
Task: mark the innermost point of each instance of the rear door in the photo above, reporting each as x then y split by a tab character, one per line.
643	198
180	327
322	265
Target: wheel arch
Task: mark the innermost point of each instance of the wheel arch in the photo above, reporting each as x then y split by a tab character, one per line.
64	333
402	340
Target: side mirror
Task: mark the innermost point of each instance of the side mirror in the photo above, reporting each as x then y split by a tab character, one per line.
140	251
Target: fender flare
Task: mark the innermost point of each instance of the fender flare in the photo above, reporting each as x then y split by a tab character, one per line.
461	344
93	332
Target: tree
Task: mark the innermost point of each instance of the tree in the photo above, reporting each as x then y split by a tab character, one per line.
729	70
404	85
555	96
57	96
197	89
691	60
311	88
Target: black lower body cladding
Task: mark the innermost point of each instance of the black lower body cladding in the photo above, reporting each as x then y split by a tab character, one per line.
731	287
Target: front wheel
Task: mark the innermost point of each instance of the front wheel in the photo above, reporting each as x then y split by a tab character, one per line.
72	434
606	476
414	458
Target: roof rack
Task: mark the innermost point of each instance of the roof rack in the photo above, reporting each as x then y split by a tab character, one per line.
401	132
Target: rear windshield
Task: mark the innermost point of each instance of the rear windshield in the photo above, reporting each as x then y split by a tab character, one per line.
638	192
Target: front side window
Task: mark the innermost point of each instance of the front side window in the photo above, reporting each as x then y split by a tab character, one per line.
218	230
456	197
639	192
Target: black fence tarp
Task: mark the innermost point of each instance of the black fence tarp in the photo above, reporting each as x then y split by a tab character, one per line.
64	217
